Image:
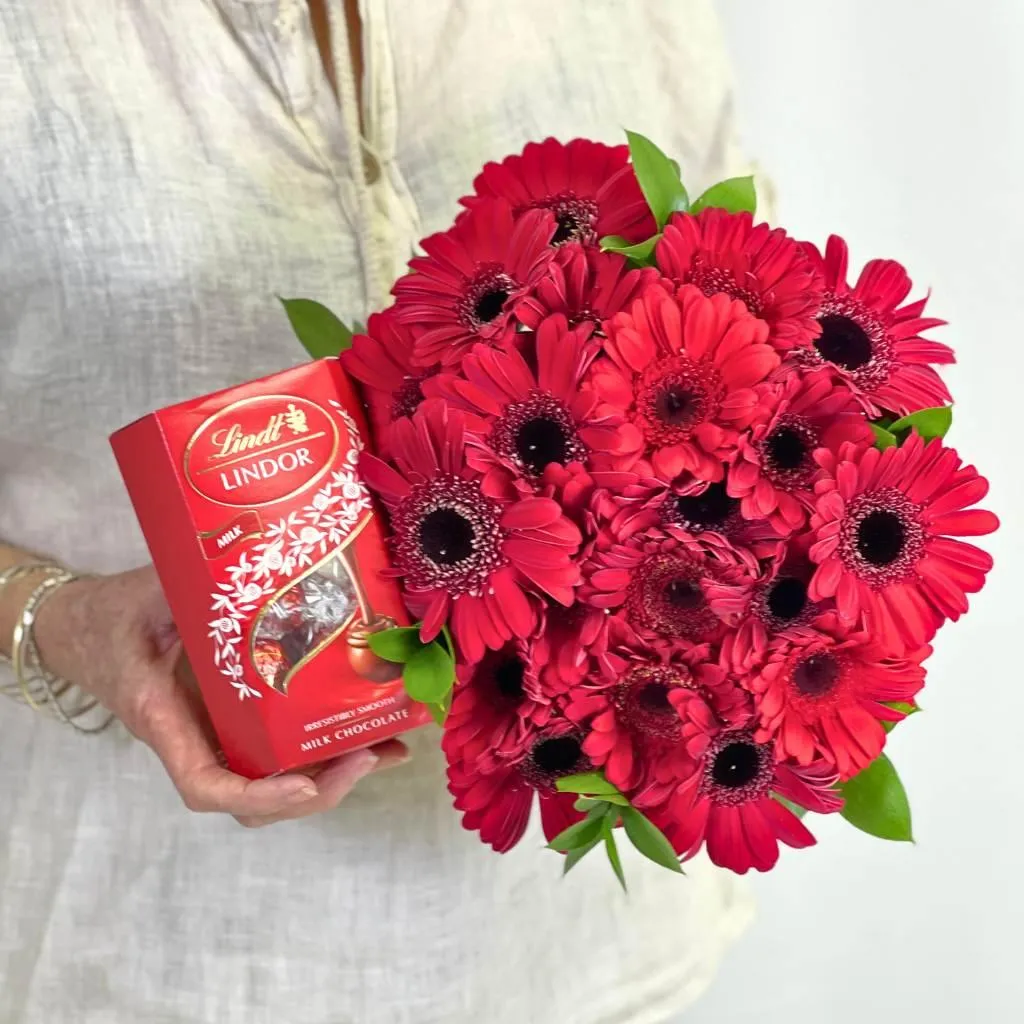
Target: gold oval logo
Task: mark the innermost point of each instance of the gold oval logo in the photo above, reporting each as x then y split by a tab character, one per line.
262	450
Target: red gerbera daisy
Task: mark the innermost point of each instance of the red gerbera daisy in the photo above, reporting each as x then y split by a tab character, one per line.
497	804
523	421
822	694
761	604
774	470
684	367
571	643
381	360
584	285
655	714
659	578
497	707
588	186
460	553
872	341
464	290
882	527
728	803
761	266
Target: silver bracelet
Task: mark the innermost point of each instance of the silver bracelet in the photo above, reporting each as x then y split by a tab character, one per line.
36	686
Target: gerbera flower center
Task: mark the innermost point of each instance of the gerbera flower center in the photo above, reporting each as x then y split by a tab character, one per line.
736	769
642	704
665	597
853	339
786	598
536	432
575	218
508	678
711	280
882	537
407	396
844	342
710	510
786	452
817	675
446	536
485	296
553	757
674	397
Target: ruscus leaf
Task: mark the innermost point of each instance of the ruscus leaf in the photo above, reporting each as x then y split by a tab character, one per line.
579	834
735	195
398	644
588	784
876	802
649	839
929	423
429	674
640	253
659	179
322	334
907	709
790	806
613	854
575	855
883	438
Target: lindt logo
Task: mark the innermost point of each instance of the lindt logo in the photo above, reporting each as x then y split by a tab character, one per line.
261	450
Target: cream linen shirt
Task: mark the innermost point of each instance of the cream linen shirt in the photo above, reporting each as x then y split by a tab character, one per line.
168	166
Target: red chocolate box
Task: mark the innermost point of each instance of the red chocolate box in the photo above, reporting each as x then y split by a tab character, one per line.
269	550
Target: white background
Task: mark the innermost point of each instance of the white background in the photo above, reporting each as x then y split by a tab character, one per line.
900	125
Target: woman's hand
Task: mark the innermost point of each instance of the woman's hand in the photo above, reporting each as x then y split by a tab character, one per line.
114	637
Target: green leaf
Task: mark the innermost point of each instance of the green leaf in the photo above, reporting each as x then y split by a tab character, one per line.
322	334
589	784
659	179
579	834
429	674
790	806
639	253
907	709
438	712
876	802
649	839
358	327
398	644
446	639
928	423
613	853
883	438
575	855
736	195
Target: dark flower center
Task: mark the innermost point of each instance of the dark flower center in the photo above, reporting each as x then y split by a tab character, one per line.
446	536
653	697
642	704
674	405
785	448
508	678
557	756
880	537
786	598
707	510
817	675
843	342
567	228
490	304
407	397
683	594
541	441
736	765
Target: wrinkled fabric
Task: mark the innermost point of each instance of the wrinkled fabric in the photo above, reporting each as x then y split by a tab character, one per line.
168	169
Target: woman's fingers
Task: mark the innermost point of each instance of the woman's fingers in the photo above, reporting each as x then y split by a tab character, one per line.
335	781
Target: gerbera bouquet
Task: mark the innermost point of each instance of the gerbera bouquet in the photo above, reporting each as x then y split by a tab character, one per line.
670	500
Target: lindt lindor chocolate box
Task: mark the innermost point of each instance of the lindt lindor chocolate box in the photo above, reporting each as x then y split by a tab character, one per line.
269	550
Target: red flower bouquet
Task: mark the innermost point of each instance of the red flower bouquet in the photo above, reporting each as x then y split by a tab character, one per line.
670	499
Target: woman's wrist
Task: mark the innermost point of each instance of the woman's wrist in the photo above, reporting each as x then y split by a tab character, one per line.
20	574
